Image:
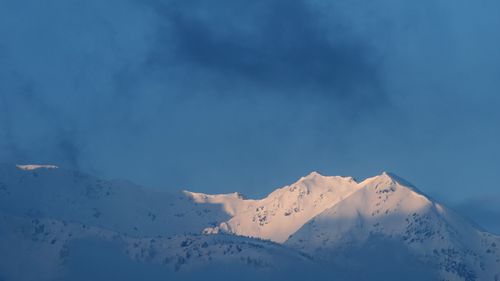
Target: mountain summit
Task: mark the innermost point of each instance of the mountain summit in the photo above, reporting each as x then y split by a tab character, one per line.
324	216
387	209
285	210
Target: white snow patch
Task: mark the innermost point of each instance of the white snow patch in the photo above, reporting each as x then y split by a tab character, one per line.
30	167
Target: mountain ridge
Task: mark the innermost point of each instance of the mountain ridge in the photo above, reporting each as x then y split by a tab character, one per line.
389	209
330	218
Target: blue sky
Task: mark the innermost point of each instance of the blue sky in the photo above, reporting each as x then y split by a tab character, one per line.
219	96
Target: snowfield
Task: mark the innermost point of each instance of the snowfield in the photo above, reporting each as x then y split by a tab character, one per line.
57	224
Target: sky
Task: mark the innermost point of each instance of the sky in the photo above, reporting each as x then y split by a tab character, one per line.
231	95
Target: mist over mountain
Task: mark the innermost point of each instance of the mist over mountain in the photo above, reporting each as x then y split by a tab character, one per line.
485	210
67	225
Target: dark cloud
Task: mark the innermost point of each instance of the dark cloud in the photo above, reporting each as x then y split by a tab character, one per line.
278	47
226	95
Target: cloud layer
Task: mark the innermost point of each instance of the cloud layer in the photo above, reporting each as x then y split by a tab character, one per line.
205	95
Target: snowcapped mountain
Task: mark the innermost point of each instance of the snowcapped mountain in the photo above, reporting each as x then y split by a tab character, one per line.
65	225
388	208
283	211
49	248
42	191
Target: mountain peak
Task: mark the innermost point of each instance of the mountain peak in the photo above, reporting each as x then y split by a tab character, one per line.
399	179
313	174
204	198
30	167
388	178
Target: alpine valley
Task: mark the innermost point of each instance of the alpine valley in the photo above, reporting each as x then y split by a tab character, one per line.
58	224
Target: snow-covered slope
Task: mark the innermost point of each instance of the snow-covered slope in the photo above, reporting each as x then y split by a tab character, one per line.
48	249
283	211
388	208
54	221
40	192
